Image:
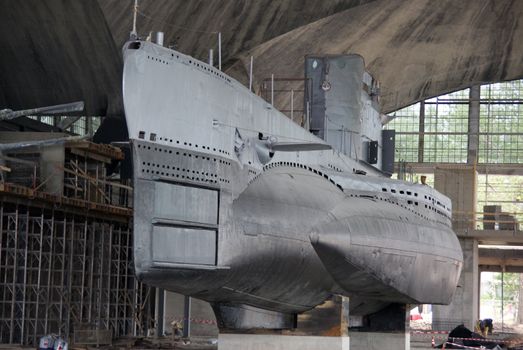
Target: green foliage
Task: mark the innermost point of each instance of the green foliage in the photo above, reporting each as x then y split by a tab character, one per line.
445	135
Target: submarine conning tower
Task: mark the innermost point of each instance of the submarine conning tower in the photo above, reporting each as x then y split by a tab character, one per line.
343	100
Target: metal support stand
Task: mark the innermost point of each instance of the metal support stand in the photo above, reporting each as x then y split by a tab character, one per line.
187	317
160	312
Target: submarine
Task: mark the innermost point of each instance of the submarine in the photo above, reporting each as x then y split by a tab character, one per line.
265	218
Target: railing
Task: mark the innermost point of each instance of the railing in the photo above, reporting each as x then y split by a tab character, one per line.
287	93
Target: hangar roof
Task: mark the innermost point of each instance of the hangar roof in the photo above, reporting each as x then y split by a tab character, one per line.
58	51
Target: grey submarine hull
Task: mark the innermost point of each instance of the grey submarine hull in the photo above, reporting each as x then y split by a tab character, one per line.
261	234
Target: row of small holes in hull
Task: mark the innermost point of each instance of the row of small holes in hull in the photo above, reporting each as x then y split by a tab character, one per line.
302	166
185	154
409	193
153	137
182	173
173	171
196	64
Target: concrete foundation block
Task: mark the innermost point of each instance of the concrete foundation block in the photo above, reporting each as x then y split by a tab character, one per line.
281	342
379	341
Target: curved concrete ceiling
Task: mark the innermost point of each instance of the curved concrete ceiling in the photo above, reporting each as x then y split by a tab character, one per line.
192	26
416	49
58	51
54	52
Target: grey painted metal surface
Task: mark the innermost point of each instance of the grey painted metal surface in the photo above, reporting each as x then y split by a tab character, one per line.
286	229
388	148
6	114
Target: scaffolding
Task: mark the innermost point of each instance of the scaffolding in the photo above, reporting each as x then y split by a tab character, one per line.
66	257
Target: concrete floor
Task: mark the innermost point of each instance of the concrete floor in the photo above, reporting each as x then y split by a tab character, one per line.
418	342
208	343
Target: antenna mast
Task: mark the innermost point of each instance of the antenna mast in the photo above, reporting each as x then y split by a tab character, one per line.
134	34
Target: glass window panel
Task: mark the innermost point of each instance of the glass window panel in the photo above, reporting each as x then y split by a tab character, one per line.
446	126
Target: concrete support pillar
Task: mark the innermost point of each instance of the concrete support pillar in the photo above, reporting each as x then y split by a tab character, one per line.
459	183
198	312
52	158
520	300
473	129
88	125
386	329
464	308
324	327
